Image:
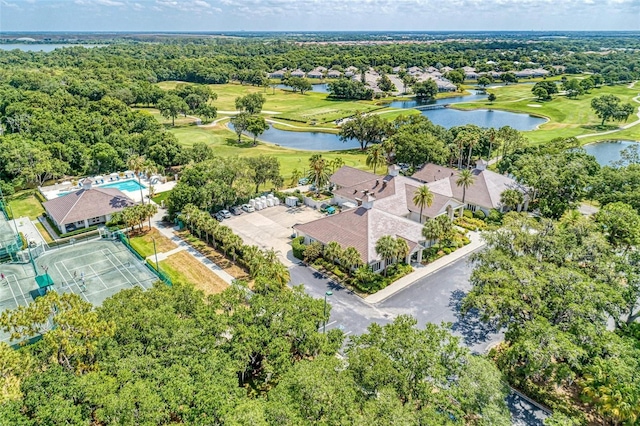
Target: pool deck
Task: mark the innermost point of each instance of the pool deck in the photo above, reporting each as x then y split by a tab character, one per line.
54	191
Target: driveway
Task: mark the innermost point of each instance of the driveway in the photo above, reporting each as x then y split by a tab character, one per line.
272	228
435	298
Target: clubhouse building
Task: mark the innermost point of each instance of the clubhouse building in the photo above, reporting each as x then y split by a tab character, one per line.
375	206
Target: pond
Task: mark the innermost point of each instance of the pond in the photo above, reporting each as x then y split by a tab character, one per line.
309	141
448	117
319	88
412	103
607	152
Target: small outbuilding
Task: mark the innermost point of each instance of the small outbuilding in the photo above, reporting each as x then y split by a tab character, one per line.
86	207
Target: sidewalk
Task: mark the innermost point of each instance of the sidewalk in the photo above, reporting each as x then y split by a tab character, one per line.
424	270
167	231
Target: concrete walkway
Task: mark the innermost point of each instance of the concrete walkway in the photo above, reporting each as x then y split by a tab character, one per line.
28	229
168	231
423	270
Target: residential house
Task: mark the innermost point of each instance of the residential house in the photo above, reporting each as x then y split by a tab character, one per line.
278	74
334	74
297	73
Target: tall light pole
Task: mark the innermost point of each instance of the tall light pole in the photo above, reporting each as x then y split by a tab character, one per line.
324	324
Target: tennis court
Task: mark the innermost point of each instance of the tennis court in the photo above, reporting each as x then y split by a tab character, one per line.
8	239
95	270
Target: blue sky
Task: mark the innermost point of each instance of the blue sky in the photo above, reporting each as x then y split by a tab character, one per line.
317	15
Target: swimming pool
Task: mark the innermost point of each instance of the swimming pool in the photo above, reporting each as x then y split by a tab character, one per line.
125	185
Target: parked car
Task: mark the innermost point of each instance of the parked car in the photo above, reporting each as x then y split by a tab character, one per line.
303	181
225	213
236	210
219	217
248	208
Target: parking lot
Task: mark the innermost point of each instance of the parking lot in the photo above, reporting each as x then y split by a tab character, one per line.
272	228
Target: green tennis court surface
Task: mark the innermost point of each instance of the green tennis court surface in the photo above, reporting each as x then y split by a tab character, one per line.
95	270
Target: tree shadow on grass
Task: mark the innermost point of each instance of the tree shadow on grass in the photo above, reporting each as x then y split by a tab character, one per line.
233	142
600	128
469	324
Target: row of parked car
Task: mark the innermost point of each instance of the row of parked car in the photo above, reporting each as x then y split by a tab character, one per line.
235	210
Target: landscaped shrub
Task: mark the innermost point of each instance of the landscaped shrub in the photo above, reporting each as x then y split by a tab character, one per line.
446	250
479	214
470	223
298	247
468	214
312	252
338	273
495	217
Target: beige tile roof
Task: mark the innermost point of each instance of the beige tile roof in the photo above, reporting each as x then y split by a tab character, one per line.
87	203
349	176
347	228
361	228
437	207
380	187
432	172
485	191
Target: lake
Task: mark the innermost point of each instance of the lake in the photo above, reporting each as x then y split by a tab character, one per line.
38	47
607	152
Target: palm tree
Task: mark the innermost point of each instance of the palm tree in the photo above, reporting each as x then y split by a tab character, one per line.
423	197
386	248
279	274
232	243
375	157
402	249
149	211
336	163
253	258
351	259
439	228
432	230
137	163
296	175
318	171
465	180
511	198
332	251
471	141
389	148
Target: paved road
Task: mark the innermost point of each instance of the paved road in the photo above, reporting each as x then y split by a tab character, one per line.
435	298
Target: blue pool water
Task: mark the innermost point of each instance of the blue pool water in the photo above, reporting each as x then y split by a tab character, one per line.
125	185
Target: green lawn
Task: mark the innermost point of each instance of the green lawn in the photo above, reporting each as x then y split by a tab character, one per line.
311	106
25	203
225	143
159	198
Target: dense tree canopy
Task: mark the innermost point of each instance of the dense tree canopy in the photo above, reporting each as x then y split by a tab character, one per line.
167	355
555	286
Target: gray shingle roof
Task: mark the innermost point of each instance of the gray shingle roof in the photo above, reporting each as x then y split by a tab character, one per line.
87	203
